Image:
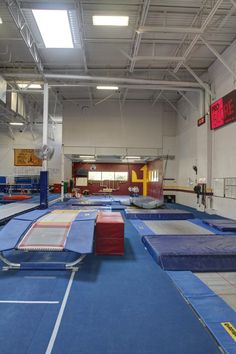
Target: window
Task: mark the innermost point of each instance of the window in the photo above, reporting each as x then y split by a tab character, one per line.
121	176
154	176
94	176
108	176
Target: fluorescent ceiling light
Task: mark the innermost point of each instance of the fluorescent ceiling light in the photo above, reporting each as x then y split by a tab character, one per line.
30	86
54	28
107	88
110	20
86	156
133	157
16	123
89	160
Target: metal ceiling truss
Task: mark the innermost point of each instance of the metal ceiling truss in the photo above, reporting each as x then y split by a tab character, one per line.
20	21
80	20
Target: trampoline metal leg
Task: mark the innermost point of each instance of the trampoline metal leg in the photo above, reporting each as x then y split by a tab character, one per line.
8	264
72	265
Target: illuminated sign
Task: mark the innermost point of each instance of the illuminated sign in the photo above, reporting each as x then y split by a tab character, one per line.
223	111
201	121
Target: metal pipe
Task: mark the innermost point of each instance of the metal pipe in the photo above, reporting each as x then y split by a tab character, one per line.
62	172
135	87
121	80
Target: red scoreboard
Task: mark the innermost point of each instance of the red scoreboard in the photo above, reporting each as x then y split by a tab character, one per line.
223	111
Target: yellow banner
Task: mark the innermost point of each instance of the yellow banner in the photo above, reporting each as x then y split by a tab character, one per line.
26	157
230	329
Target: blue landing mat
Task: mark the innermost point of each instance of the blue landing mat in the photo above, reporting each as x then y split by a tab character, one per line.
211	308
222	225
80	237
158	214
188	252
142	228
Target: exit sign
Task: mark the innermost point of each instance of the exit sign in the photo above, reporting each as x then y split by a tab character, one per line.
201	121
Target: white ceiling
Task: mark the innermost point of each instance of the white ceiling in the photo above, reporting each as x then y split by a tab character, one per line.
103	51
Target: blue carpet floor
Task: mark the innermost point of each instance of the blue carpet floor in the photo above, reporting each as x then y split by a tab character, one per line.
117	305
129	306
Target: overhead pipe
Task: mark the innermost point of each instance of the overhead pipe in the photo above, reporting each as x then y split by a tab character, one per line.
121	80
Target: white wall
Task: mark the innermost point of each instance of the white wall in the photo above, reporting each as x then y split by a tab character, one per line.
139	126
212	151
24	140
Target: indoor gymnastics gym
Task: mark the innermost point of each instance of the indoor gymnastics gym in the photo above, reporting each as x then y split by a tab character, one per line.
117	177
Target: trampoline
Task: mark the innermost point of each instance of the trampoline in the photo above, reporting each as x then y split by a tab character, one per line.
49	231
202	253
158	214
168	227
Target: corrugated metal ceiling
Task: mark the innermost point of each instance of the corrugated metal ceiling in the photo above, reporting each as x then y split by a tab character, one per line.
102	46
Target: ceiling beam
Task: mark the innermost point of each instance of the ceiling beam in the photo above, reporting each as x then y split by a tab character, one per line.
173	106
20	21
218	56
168	29
197	36
80	22
204	86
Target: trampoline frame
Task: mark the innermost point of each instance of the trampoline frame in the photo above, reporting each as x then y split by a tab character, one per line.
9	265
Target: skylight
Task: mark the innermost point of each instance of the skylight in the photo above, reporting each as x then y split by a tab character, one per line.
54	28
110	20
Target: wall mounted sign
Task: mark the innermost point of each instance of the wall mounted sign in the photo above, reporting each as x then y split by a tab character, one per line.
223	111
201	121
26	157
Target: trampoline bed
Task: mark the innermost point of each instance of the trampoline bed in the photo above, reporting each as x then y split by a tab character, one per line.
58	230
222	224
168	227
158	214
201	253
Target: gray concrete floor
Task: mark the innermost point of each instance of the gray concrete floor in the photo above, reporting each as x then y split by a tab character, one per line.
223	284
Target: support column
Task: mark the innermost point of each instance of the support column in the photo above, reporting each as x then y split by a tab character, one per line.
62	172
45	122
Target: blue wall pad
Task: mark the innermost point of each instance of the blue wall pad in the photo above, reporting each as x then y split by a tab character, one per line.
193	252
32	215
11	233
189	284
211	308
86	215
222	225
142	228
80	237
158	214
